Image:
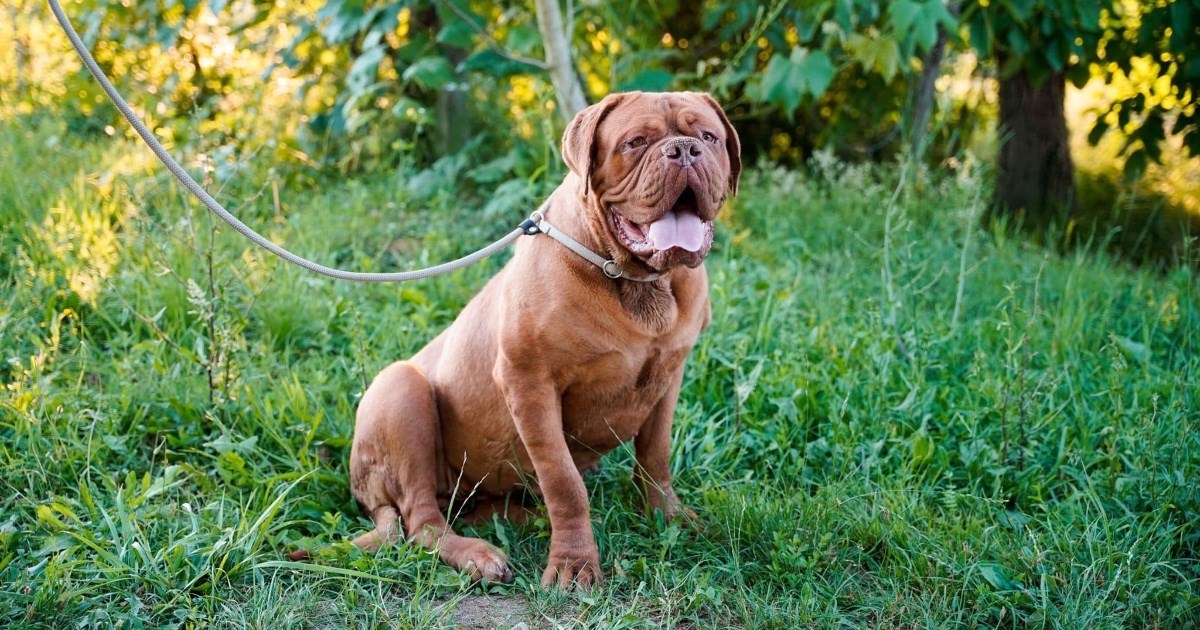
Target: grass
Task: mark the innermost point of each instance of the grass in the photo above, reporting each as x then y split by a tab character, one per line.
896	419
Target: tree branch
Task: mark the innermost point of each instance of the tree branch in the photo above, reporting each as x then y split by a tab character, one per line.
558	59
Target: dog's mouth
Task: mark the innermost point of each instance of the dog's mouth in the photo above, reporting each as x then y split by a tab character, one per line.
679	236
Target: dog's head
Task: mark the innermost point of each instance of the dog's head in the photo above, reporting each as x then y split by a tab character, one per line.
656	168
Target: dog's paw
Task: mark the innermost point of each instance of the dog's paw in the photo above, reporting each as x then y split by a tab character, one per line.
578	568
482	561
668	503
683	514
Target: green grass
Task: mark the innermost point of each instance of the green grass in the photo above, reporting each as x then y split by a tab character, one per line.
880	428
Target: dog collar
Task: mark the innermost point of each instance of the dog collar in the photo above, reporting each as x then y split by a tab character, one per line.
537	224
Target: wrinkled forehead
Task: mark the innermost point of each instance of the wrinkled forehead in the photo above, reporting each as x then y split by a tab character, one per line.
658	115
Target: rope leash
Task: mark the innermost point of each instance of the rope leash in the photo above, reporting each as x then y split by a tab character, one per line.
536	224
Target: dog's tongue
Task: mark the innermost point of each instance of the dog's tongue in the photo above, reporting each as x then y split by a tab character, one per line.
678	229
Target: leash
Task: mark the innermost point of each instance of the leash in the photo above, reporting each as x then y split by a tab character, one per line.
535	224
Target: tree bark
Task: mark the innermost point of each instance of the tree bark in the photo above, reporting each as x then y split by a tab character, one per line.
21	44
558	59
453	116
453	122
1035	176
931	68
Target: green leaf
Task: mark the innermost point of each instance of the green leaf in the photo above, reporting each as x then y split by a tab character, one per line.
803	73
925	33
1135	165
881	55
887	61
818	72
1054	55
457	34
782	84
712	16
523	39
938	12
1017	42
411	110
1097	131
496	170
1021	9
345	20
508	199
1181	23
429	72
981	34
902	14
232	467
995	575
1139	352
651	80
364	69
224	444
843	13
1079	75
923	448
487	62
168	480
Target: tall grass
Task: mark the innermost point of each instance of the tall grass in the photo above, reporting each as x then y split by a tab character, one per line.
986	434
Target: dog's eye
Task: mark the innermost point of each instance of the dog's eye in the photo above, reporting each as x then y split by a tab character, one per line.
708	137
634	143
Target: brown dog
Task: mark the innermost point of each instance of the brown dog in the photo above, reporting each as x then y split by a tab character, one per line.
555	363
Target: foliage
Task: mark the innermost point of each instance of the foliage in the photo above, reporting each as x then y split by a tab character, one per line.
1044	37
371	80
176	60
881	37
365	86
1152	53
986	435
1149	48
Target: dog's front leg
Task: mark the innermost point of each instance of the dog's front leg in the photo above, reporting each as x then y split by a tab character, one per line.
652	472
536	409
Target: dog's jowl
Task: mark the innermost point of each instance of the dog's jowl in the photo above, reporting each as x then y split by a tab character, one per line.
555	363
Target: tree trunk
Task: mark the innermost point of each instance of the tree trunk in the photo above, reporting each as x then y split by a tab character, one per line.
21	44
453	120
931	68
1035	177
453	117
558	59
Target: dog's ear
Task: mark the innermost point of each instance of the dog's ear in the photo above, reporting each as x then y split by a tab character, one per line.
733	145
579	141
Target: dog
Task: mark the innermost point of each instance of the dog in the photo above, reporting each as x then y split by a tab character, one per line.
556	362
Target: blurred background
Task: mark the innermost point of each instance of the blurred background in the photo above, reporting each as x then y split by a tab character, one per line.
1083	114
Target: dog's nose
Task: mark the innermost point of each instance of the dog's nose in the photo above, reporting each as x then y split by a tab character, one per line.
685	151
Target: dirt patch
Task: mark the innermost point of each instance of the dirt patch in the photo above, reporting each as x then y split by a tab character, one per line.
492	612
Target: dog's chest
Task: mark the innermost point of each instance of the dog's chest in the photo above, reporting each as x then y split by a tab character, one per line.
616	395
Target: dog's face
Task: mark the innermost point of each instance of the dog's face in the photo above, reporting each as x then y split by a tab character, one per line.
656	170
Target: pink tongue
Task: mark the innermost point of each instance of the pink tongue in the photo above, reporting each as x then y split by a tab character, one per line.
678	229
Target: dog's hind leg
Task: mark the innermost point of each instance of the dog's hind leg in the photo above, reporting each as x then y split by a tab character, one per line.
394	471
